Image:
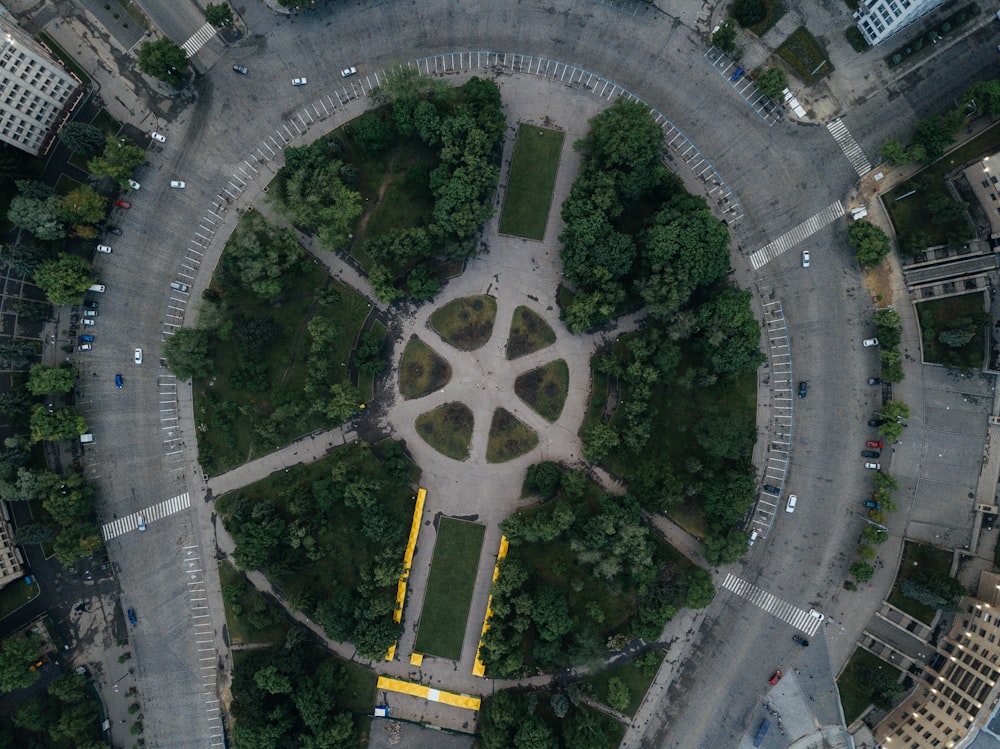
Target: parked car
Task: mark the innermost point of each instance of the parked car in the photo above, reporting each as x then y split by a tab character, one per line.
177	184
85	347
869	342
871	504
877	444
876	422
870	453
800	641
737	74
753	538
88	313
775	679
348	72
158	138
134	185
138	356
988	520
105	248
114	230
300	81
772	489
86	339
132	618
178	286
140	523
803	389
90	304
89	322
805	258
874	381
123	204
792	499
874	466
119	381
241	69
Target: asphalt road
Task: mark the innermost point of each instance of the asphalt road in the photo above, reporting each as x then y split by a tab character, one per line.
782	175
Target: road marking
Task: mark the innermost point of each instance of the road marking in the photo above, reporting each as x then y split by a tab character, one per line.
792	237
798	618
850	147
198	39
123	525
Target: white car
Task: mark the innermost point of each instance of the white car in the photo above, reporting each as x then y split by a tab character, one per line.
134	185
792	499
874	466
869	342
178	184
300	81
85	347
805	258
158	138
89	322
348	72
140	523
104	248
138	356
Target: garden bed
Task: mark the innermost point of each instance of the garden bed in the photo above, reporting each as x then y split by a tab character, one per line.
448	429
421	370
936	315
509	438
466	323
528	333
545	389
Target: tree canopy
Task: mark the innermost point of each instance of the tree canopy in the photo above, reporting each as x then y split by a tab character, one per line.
118	160
187	354
65	279
82	138
870	243
164	59
42	379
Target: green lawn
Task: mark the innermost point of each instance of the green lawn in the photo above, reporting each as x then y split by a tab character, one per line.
918	556
854	682
466	323
635	678
528	333
544	388
448	429
531	180
421	370
509	438
774	11
445	611
14	595
936	314
805	55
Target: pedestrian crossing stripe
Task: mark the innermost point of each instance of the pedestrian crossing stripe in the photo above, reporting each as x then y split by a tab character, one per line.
198	39
850	147
798	618
122	525
790	238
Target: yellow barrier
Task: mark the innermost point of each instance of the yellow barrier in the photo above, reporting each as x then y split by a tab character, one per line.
429	693
479	668
411	544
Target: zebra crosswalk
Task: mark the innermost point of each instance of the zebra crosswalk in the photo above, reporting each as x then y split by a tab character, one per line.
793	236
198	39
806	621
850	147
122	525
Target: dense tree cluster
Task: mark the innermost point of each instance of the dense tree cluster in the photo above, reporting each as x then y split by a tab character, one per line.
887	330
870	243
118	160
346	516
518	720
164	59
579	569
66	714
292	694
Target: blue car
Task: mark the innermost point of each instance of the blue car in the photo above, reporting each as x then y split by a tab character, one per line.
132	618
86	339
119	381
737	75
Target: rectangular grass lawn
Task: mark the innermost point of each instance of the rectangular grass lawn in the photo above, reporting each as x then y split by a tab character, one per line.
449	589
529	185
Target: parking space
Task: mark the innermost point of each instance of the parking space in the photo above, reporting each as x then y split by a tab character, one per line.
765	107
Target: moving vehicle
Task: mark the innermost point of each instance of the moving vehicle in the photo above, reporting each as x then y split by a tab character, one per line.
775	679
805	258
123	204
138	356
772	489
869	342
877	444
119	381
873	466
158	138
140	523
348	72
86	339
178	286
178	184
134	185
803	389
241	69
132	618
105	248
792	499
300	81
870	453
800	641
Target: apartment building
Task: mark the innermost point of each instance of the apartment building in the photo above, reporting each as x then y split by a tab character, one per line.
880	19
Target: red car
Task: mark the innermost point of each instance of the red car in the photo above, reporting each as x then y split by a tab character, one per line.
874	443
123	204
776	678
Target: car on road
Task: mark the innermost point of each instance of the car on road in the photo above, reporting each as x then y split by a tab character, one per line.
800	641
140	523
177	184
158	138
870	453
300	81
134	185
105	248
119	381
805	258
871	504
138	356
775	678
817	615
123	204
241	69
874	381
132	618
873	466
86	339
877	444
869	342
772	489
85	347
114	230
178	286
348	72
792	499
803	389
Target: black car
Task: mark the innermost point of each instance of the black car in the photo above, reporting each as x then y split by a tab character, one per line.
772	489
876	422
114	230
869	453
800	641
989	519
803	389
90	304
874	381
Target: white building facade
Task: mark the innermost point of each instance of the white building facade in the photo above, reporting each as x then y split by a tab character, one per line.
880	19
